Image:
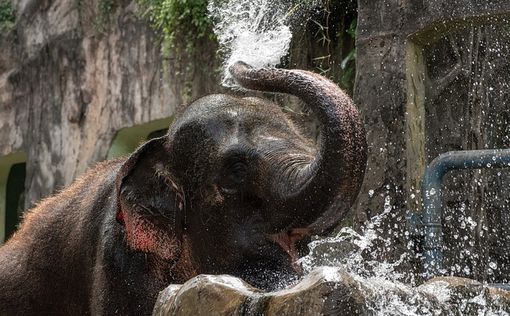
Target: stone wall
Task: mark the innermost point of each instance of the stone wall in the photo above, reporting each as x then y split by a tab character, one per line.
67	85
332	291
432	77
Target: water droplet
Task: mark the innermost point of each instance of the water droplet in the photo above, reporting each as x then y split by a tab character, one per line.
256	32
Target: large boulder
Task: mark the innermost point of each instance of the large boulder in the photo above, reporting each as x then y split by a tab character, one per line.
332	291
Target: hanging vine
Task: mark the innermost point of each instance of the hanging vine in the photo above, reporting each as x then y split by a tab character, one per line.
7	16
181	23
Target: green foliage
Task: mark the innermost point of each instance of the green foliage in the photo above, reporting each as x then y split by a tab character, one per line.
352	28
7	16
180	22
104	10
348	64
334	28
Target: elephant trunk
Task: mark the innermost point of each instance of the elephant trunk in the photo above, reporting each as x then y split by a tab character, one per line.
327	187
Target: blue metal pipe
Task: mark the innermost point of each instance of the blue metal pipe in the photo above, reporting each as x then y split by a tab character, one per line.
431	192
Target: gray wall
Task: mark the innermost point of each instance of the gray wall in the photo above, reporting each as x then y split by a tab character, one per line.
432	76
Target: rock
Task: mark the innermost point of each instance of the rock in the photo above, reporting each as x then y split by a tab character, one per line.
332	291
67	85
205	295
469	297
326	291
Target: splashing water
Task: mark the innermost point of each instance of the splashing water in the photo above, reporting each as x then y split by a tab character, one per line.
352	246
388	291
258	32
254	31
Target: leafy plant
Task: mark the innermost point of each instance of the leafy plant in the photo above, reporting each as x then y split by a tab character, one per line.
184	28
7	16
348	64
180	22
334	28
103	12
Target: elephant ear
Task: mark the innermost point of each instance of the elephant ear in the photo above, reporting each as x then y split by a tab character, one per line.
150	204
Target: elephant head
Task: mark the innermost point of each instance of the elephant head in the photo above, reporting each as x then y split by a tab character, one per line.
235	185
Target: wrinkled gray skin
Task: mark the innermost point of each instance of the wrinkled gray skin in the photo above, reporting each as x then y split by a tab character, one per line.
233	188
248	172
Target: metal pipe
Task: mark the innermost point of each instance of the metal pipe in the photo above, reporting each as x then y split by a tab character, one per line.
431	192
503	286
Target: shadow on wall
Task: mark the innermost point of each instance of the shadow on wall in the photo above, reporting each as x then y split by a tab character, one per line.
13	171
129	138
12	187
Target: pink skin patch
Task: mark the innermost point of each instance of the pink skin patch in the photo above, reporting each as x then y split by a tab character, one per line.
287	240
143	235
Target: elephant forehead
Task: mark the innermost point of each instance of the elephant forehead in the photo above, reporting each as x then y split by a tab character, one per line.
232	112
226	105
232	126
223	121
231	120
239	123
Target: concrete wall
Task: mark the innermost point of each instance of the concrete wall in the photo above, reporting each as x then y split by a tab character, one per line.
432	77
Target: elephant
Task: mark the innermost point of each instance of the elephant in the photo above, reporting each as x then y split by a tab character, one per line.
234	187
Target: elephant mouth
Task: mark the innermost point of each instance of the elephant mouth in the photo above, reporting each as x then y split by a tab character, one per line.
288	240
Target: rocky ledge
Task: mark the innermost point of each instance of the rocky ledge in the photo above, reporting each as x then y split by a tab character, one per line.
333	291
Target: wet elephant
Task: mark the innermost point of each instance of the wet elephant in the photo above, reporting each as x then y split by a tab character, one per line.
233	188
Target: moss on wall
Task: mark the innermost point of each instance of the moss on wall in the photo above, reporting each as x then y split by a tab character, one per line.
7	16
104	9
179	22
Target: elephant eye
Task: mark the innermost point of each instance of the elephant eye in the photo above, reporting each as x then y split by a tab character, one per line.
233	176
239	171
